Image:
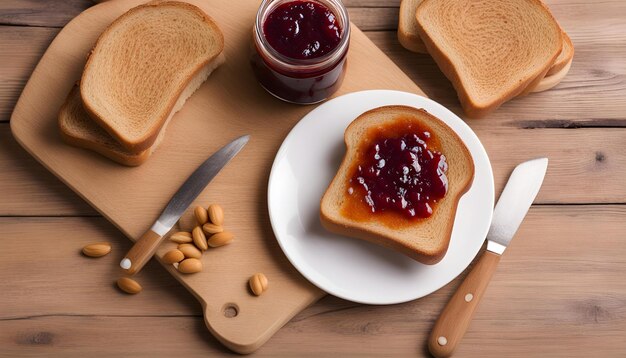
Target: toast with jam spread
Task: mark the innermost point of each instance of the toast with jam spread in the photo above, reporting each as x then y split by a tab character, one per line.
399	183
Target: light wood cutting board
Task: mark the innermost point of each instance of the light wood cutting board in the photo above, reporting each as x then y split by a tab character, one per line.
229	104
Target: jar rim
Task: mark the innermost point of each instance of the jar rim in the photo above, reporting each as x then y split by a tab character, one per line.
336	6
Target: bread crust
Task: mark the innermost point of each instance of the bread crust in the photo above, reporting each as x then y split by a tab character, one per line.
550	81
128	159
150	136
447	66
131	160
565	57
358	230
406	36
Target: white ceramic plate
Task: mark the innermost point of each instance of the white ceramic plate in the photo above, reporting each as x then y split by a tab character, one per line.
350	268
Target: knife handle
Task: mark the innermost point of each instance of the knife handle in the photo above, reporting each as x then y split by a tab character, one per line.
141	252
458	313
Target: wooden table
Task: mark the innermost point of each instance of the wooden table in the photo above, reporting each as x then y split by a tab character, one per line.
560	290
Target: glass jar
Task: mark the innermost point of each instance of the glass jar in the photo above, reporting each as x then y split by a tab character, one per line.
301	81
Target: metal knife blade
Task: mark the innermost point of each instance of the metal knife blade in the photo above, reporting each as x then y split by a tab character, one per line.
518	194
194	185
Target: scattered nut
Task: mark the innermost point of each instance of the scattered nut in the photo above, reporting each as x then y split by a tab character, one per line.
258	283
129	285
216	214
173	256
220	239
190	266
97	249
190	251
201	215
211	229
181	237
199	239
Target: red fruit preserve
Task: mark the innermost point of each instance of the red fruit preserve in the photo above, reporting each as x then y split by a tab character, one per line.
300	48
399	174
302	30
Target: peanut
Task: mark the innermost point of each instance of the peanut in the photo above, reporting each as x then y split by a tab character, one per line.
201	215
129	285
173	256
258	283
211	229
190	251
181	237
220	239
97	249
190	266
216	214
199	239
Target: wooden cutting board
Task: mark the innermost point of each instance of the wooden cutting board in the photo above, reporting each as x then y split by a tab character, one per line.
229	104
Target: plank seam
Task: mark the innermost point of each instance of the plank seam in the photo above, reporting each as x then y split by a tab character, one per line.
23	318
9	24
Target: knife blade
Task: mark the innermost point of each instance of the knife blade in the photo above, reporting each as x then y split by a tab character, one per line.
518	194
146	246
515	200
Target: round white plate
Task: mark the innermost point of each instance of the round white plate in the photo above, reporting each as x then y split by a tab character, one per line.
351	268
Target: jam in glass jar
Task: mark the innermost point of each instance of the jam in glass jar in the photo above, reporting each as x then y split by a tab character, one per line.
300	48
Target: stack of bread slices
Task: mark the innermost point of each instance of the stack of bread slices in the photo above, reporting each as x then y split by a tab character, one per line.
491	50
140	72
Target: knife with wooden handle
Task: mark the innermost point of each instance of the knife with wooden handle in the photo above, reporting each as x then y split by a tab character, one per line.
515	200
146	246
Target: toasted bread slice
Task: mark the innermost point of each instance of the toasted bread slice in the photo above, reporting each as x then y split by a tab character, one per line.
425	240
141	64
408	36
490	51
79	129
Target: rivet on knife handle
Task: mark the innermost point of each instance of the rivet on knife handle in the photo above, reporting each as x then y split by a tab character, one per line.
457	315
141	252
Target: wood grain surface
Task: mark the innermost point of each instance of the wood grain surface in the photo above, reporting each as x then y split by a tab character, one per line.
558	291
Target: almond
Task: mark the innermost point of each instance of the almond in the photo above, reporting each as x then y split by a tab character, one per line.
97	249
211	229
199	239
173	256
201	215
129	285
258	283
216	214
220	239
181	237
190	266
190	251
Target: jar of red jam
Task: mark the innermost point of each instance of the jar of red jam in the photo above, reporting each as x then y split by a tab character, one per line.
300	48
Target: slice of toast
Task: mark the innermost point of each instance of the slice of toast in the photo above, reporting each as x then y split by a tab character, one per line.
490	51
79	129
141	64
425	240
408	36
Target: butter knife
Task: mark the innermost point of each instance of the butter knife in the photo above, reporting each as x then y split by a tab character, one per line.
146	246
515	200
